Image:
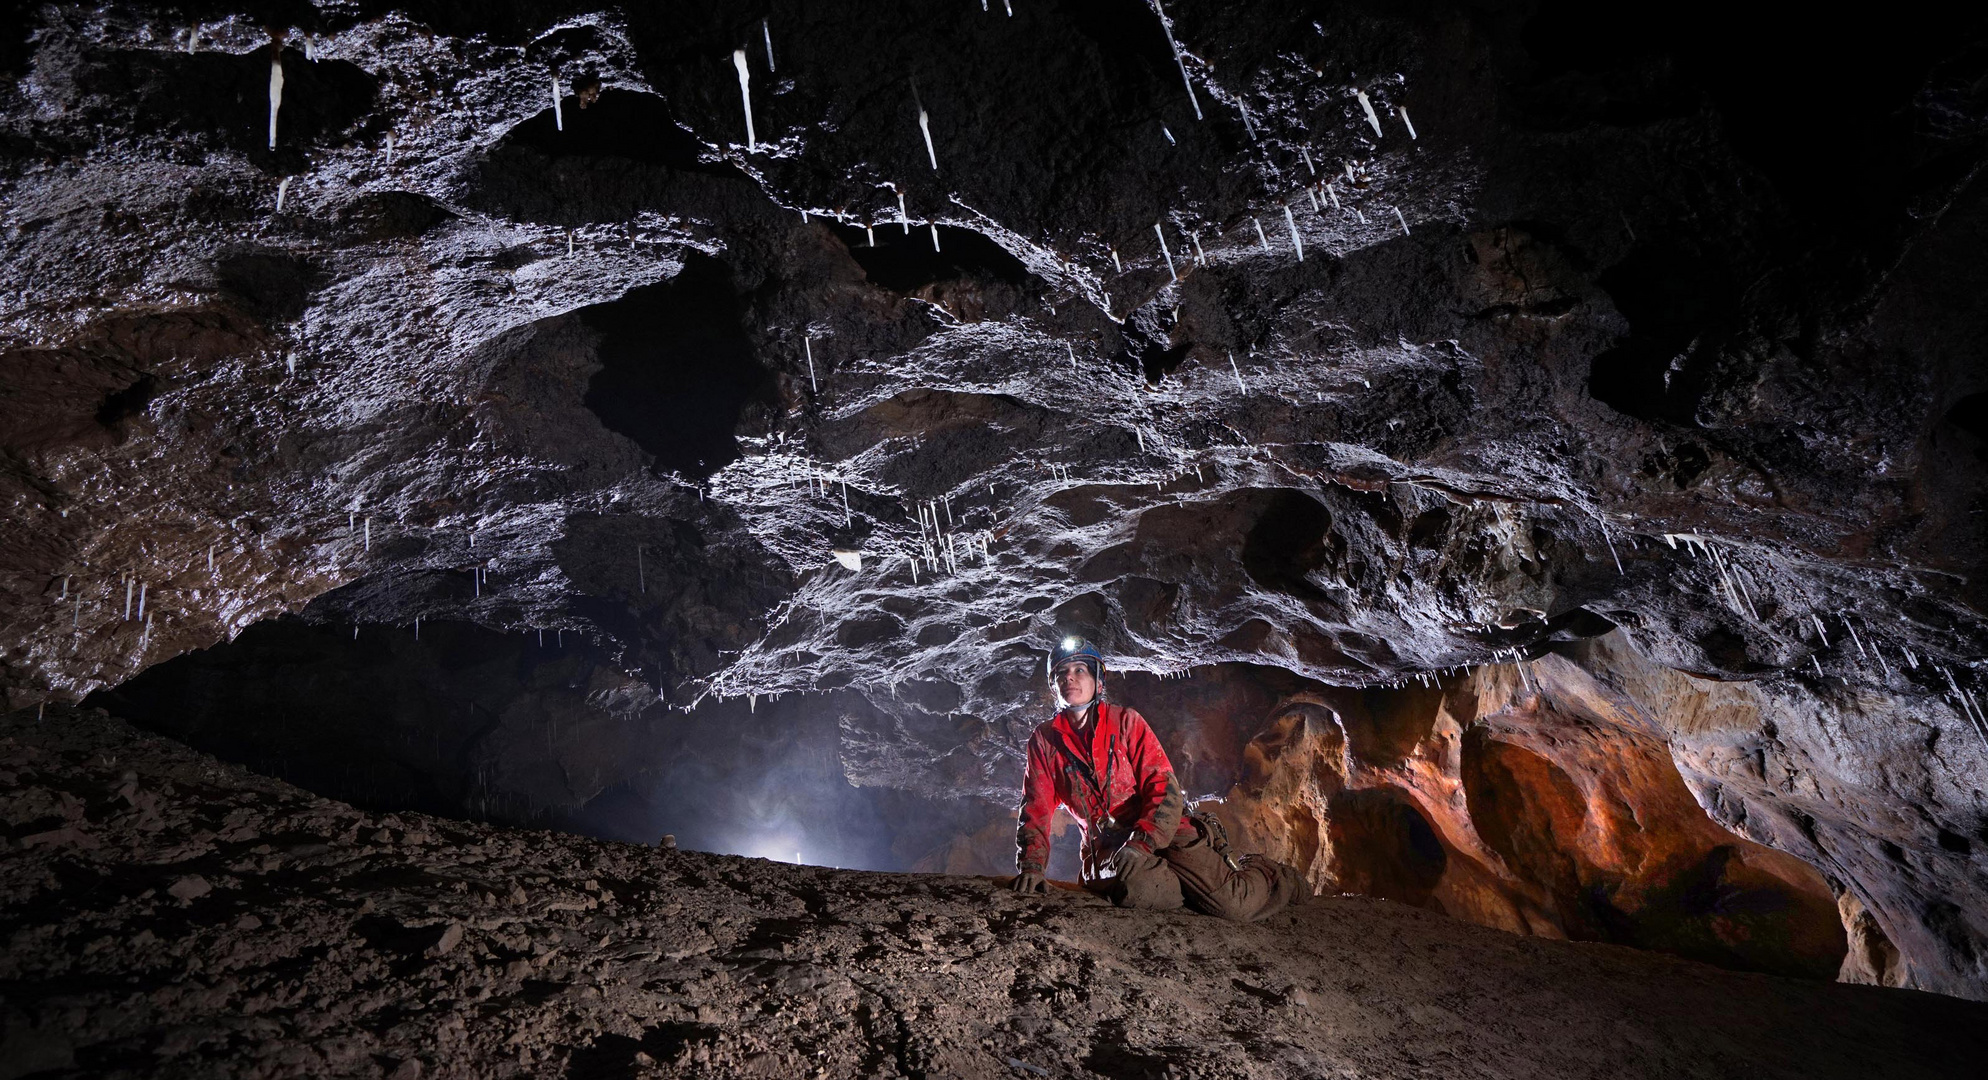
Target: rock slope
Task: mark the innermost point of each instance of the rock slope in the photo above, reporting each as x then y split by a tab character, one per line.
167	915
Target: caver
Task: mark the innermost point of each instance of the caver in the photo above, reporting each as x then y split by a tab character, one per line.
1142	847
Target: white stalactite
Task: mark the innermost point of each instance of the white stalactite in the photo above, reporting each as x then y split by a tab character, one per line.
282	193
1240	385
1296	241
1259	232
1406	122
1403	220
558	110
745	95
925	128
1368	105
275	89
808	344
1178	62
935	237
1168	255
766	32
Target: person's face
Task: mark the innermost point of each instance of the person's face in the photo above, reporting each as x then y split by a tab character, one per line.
1075	685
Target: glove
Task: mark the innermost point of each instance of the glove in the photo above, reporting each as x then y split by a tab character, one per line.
1029	881
1133	858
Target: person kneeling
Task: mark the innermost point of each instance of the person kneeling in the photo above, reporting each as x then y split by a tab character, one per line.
1142	848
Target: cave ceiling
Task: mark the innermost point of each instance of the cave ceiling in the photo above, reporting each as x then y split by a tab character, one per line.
1360	342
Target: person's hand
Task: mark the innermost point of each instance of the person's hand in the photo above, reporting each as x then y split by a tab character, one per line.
1029	883
1133	858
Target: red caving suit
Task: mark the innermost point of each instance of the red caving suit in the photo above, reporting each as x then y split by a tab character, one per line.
1118	782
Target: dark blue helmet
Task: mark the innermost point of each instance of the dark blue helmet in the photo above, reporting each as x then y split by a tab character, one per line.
1076	648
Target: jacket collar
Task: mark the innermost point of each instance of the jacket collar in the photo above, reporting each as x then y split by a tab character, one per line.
1106	720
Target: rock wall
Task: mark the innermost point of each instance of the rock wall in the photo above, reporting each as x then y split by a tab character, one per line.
1555	812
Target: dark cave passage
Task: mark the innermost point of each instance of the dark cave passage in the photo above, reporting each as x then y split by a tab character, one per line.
538	729
677	368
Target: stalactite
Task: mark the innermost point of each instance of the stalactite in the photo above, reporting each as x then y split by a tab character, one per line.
745	96
275	89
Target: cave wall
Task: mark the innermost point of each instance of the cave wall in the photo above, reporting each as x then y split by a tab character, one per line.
1547	811
1596	795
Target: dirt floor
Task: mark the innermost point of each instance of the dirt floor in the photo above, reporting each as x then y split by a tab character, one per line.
167	915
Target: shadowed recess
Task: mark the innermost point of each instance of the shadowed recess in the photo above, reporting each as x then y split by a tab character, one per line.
615	124
227	95
905	262
677	368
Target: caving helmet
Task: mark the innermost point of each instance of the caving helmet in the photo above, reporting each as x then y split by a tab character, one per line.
1080	649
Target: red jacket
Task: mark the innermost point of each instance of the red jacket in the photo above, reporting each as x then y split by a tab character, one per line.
1119	785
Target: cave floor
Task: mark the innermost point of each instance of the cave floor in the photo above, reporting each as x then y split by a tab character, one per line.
168	915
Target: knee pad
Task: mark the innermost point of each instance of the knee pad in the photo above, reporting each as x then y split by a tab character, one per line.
1155	890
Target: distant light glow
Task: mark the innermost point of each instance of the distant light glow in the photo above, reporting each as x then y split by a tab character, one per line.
774	849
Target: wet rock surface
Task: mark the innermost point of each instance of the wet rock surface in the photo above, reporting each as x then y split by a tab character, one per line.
1530	801
166	914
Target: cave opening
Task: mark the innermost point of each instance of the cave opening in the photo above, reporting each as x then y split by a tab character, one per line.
1672	298
1287	544
678	367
